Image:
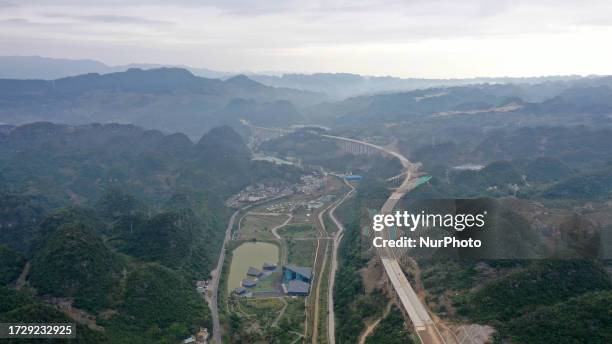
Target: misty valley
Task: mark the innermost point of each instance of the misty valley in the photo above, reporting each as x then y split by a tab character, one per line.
118	228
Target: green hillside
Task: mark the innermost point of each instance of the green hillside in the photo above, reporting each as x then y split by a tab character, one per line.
391	330
120	220
542	283
177	239
158	305
11	264
18	306
159	296
591	185
74	262
170	99
19	218
583	319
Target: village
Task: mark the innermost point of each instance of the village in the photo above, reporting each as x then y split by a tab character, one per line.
308	184
295	281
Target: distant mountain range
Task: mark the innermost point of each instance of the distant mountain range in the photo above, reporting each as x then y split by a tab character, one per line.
176	100
46	68
344	85
168	99
335	85
580	99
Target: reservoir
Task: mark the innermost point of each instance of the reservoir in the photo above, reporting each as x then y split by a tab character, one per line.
249	254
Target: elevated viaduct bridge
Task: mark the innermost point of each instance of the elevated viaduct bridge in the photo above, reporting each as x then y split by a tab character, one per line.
423	324
419	316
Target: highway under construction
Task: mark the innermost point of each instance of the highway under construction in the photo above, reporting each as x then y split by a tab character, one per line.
419	316
413	306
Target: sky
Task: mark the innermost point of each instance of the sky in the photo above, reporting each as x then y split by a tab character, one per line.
409	38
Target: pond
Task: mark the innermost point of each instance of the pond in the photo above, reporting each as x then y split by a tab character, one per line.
249	254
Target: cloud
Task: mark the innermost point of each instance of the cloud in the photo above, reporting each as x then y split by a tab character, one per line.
27	23
369	36
594	21
7	4
262	7
111	19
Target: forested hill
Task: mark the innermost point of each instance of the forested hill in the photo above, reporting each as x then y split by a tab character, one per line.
78	163
581	101
169	99
117	222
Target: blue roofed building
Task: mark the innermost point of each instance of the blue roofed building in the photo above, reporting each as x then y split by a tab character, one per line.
253	272
291	272
240	291
297	288
269	266
247	283
353	177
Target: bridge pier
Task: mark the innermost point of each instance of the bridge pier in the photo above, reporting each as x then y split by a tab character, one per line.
356	148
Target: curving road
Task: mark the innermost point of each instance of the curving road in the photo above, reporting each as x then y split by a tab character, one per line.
322	235
275	229
417	312
414	307
331	318
213	289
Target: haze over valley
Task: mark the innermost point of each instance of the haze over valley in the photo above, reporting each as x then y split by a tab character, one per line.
211	172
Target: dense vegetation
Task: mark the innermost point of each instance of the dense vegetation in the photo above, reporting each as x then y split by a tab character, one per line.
177	239
348	287
161	302
11	264
84	256
596	185
118	223
543	283
17	306
74	262
546	172
539	178
441	275
169	99
253	320
352	304
19	219
79	164
561	301
586	318
122	221
391	330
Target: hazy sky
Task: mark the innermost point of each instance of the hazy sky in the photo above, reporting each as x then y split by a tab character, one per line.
410	38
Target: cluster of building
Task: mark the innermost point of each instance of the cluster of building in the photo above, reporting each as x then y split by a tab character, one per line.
296	280
319	202
309	184
258	192
253	276
281	207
